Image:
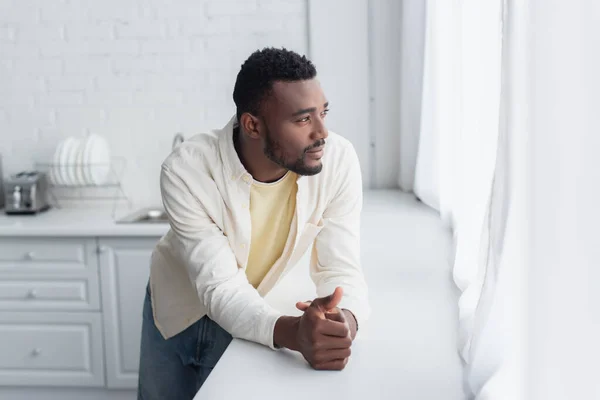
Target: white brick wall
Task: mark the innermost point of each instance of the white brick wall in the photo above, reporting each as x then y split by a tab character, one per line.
133	71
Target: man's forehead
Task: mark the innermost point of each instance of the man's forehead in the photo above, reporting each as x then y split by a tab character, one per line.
297	93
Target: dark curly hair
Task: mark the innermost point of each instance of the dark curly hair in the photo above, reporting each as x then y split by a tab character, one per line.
258	73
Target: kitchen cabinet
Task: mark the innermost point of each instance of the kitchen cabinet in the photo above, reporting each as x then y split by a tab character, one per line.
50	321
71	314
51	349
49	274
124	271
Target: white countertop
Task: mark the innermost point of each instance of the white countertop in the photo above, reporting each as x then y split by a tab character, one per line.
407	350
75	221
96	221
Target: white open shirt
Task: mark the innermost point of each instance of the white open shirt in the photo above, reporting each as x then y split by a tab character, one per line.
198	267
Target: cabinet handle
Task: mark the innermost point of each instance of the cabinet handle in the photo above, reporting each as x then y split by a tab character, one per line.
102	249
36	352
32	294
30	255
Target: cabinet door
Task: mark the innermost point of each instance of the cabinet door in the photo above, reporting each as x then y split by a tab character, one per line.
124	272
51	349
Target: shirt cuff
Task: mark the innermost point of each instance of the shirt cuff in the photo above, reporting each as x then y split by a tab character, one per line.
267	328
360	309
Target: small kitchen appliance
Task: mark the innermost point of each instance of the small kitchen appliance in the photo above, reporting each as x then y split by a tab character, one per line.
26	193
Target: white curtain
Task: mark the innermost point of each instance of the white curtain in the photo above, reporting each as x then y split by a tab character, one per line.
508	152
564	201
462	170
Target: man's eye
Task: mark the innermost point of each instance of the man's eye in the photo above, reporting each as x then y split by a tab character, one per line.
305	119
325	112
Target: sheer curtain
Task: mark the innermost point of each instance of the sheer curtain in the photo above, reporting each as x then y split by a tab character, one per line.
508	153
564	198
462	166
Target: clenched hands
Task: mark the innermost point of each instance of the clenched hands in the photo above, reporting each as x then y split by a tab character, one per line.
323	334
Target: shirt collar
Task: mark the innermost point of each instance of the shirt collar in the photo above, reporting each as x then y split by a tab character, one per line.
230	158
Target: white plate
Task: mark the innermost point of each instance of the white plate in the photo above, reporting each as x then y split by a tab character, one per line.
83	160
66	170
55	170
97	156
78	161
87	149
73	167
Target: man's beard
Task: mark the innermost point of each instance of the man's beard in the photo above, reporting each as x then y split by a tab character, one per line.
272	149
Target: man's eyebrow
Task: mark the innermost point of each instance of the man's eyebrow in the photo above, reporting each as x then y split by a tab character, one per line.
308	110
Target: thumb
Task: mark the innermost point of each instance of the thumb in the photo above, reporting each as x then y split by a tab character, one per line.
303	305
329	302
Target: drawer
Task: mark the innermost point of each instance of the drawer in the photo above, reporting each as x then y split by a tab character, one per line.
47	255
58	295
51	349
42	250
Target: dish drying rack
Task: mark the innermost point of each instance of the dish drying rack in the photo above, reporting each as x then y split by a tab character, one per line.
110	190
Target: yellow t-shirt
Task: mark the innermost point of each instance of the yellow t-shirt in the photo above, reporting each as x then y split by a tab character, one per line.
272	208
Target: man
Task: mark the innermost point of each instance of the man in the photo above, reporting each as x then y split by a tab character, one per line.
244	203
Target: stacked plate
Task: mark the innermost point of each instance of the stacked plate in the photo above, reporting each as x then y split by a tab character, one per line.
81	162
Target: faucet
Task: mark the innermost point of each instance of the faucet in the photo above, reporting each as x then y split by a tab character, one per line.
177	140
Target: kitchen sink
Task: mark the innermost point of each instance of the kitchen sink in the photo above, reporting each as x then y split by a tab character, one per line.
150	215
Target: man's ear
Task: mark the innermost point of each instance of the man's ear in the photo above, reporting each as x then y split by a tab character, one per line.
249	124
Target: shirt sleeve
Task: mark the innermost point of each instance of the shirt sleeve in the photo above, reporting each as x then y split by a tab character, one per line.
335	258
201	246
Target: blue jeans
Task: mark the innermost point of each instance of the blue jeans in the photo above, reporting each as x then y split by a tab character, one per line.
177	367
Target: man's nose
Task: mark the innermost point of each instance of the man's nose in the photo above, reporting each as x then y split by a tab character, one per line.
320	130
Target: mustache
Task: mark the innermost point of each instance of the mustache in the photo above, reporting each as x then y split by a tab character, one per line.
316	144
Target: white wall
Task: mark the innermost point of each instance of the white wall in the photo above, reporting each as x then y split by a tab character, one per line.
397	30
385	29
411	86
370	57
133	71
139	71
339	46
357	46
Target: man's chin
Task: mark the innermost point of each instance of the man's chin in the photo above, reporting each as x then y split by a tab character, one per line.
308	170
